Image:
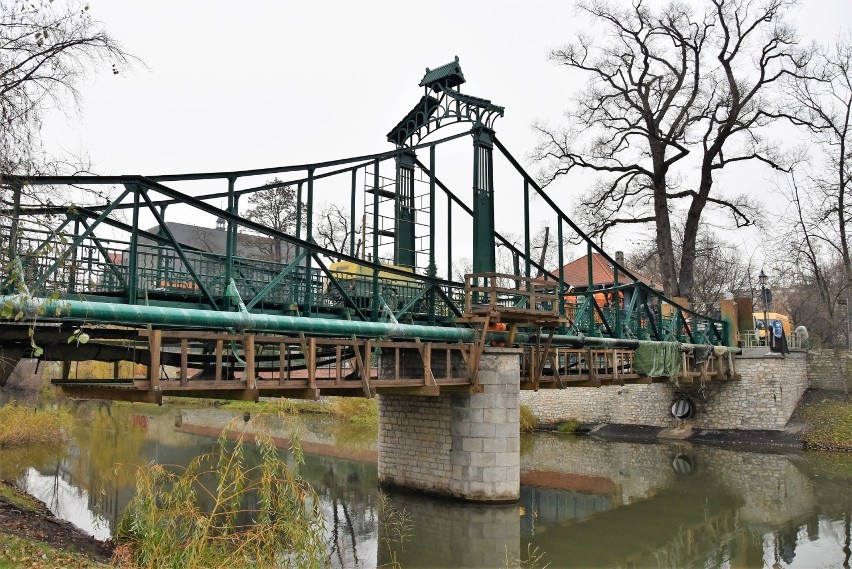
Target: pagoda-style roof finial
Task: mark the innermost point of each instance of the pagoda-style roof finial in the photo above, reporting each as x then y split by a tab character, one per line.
447	76
447	105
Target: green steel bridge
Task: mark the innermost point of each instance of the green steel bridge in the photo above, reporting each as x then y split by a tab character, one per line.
245	308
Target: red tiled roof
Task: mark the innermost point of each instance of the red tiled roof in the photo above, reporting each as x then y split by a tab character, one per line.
576	273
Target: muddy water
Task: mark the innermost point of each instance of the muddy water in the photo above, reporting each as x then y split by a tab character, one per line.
584	502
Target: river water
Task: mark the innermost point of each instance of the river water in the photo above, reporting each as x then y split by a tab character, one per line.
584	502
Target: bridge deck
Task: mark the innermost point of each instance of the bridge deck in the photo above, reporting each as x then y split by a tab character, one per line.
183	363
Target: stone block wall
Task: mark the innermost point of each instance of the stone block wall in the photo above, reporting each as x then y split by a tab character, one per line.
830	369
763	399
415	442
465	445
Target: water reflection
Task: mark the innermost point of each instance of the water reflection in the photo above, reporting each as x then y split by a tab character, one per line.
584	502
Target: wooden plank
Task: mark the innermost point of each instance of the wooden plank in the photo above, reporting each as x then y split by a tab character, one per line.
554	362
192	335
311	357
224	392
427	365
365	369
112	394
248	353
184	360
423	390
338	375
154	346
282	362
220	345
591	365
476	354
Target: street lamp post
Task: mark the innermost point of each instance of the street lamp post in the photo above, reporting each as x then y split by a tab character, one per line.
762	280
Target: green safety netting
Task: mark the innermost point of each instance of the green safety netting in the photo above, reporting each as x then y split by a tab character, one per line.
658	359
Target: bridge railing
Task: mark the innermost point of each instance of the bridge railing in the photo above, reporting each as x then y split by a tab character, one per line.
101	266
640	312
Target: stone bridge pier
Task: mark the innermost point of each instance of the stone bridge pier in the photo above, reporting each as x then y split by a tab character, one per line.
459	444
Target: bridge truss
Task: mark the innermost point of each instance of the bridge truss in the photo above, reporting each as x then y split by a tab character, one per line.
89	270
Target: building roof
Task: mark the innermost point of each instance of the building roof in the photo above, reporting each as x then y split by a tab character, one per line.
576	273
446	76
215	241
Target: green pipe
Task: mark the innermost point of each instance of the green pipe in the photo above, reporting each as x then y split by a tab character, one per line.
142	315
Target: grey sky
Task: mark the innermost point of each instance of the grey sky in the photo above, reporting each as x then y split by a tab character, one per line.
236	85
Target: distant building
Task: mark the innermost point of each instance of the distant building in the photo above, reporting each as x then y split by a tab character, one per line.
214	240
160	268
576	273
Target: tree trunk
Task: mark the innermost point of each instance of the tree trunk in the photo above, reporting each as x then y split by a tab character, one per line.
665	245
841	217
690	233
543	255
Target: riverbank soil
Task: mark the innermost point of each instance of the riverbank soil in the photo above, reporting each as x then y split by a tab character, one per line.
30	536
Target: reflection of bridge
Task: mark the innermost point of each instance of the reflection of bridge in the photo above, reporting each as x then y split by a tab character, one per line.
96	285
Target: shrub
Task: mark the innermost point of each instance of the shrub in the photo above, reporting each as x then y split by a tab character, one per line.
357	410
569	426
394	531
528	420
218	512
21	426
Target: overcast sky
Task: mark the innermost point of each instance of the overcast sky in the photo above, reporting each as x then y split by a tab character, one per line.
237	85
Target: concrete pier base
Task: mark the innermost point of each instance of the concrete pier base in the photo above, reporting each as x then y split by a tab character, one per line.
464	445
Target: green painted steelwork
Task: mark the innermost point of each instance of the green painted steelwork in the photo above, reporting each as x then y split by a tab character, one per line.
484	260
352	213
132	290
309	236
375	257
449	105
164	271
404	243
432	269
84	311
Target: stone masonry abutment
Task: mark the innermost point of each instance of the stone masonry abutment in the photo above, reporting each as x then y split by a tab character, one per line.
459	444
763	398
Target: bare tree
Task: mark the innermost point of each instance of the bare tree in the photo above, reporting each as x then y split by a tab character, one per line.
822	104
663	85
276	208
47	49
814	253
721	269
808	256
334	229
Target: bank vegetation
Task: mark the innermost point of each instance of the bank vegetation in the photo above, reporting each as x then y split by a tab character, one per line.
21	426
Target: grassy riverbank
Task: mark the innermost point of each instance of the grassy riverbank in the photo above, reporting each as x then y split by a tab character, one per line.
829	421
31	537
20	426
